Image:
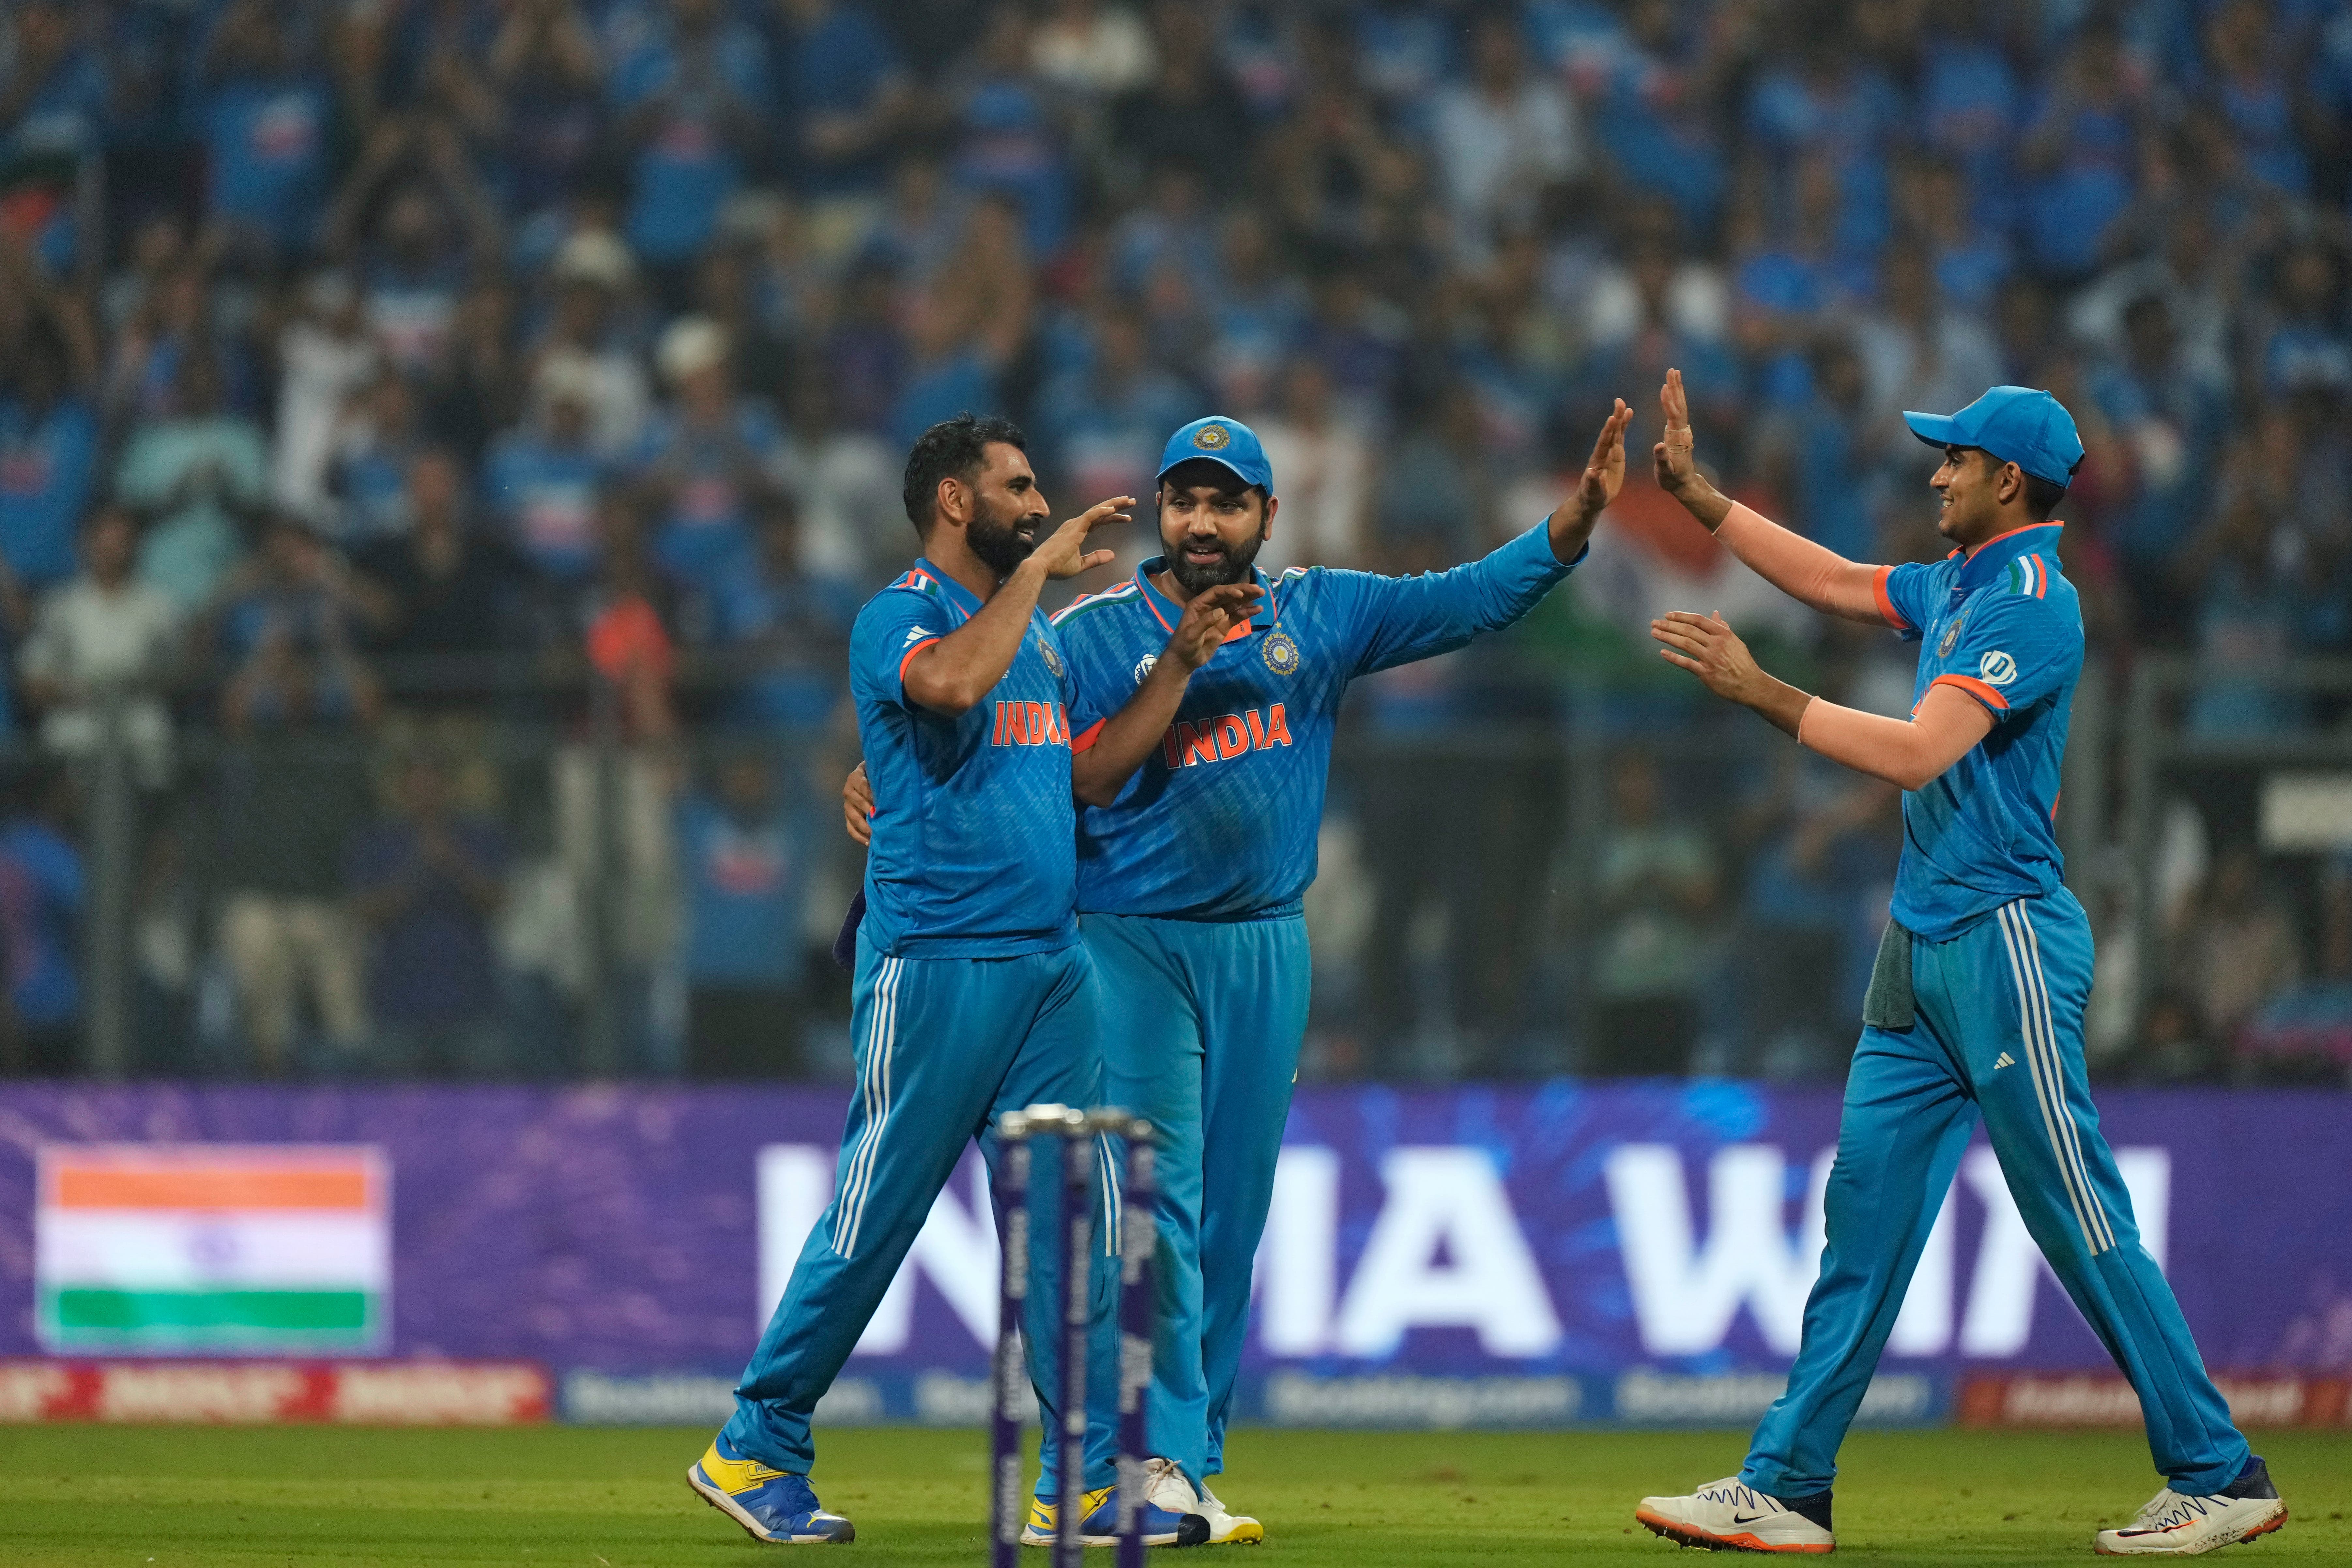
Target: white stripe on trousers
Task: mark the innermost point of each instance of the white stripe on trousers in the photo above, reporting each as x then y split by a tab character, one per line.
2044	1061
874	1092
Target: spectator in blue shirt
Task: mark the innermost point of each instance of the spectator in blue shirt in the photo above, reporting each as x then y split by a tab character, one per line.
847	93
2172	420
1826	103
765	605
708	458
1008	137
692	99
267	111
542	477
48	450
746	853
2079	153
53	113
42	893
425	885
1104	425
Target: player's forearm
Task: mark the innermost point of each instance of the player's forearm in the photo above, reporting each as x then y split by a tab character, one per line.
1121	743
1908	753
1569	529
1806	571
955	674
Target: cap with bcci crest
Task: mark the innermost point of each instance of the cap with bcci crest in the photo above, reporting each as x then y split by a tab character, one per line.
1221	440
2018	424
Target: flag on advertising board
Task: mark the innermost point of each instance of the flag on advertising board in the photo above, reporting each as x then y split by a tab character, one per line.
194	1247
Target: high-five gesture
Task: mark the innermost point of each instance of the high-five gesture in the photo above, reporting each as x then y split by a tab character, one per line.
1675	458
1603	476
1063	553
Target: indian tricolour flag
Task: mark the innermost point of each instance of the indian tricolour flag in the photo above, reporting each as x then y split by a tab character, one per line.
211	1248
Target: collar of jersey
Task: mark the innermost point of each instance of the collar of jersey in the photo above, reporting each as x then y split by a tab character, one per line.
962	598
1997	553
1168	612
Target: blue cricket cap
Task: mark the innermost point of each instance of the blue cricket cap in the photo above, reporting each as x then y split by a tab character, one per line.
2021	424
1225	441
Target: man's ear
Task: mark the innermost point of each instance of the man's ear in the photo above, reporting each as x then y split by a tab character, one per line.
1265	528
954	500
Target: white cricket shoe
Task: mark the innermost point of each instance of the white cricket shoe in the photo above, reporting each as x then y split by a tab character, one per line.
1228	1529
1727	1516
2175	1525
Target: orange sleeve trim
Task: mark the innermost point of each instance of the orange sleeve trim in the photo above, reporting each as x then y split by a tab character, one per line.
1885	602
908	658
1085	739
1975	688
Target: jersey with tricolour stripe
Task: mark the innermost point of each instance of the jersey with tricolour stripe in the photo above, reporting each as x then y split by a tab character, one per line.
1219	823
973	820
2004	626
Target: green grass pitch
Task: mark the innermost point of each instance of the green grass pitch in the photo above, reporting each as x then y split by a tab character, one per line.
242	1497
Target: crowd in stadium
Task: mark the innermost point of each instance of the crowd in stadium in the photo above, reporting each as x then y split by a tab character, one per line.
400	375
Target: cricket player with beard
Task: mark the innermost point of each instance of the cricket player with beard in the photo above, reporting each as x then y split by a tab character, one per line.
1975	1009
973	995
1192	873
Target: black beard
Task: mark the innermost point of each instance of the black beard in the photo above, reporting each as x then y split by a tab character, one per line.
1001	548
1234	568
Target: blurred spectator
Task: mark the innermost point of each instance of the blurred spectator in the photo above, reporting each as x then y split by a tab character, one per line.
689	98
104	638
542	475
2172	420
293	789
412	215
325	357
746	883
442	588
766	606
845	483
425	884
267	111
1323	468
2235	945
1091	51
2078	152
380	433
591	274
1009	140
545	68
49	450
848	95
1105	425
1823	856
708	457
1656	890
195	476
1502	136
1188	112
43	890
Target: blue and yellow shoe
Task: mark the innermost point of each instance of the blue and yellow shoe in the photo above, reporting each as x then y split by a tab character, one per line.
1099	1524
773	1505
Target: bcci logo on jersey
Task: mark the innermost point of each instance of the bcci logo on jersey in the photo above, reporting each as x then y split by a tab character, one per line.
1951	638
1281	655
1053	659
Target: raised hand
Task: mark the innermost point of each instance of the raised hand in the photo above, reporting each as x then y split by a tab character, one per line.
1207	619
857	806
1063	553
1604	471
1673	455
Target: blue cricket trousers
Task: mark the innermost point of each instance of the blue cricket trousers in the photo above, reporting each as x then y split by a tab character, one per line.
943	1046
1202	1023
1999	1033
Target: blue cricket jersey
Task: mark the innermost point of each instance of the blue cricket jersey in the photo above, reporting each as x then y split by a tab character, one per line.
1219	823
2004	626
974	852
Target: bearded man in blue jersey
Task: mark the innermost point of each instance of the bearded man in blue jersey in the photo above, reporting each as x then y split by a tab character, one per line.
1192	875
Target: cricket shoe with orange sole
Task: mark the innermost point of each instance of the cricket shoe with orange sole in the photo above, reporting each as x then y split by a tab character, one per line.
2176	1524
1730	1516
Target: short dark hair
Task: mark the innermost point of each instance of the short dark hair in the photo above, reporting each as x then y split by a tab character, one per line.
1209	471
953	449
2042	495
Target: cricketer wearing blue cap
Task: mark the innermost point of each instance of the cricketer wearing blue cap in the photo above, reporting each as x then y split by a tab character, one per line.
972	994
1190	880
1975	1010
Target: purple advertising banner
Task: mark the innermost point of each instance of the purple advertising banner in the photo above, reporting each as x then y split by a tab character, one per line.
1541	1252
